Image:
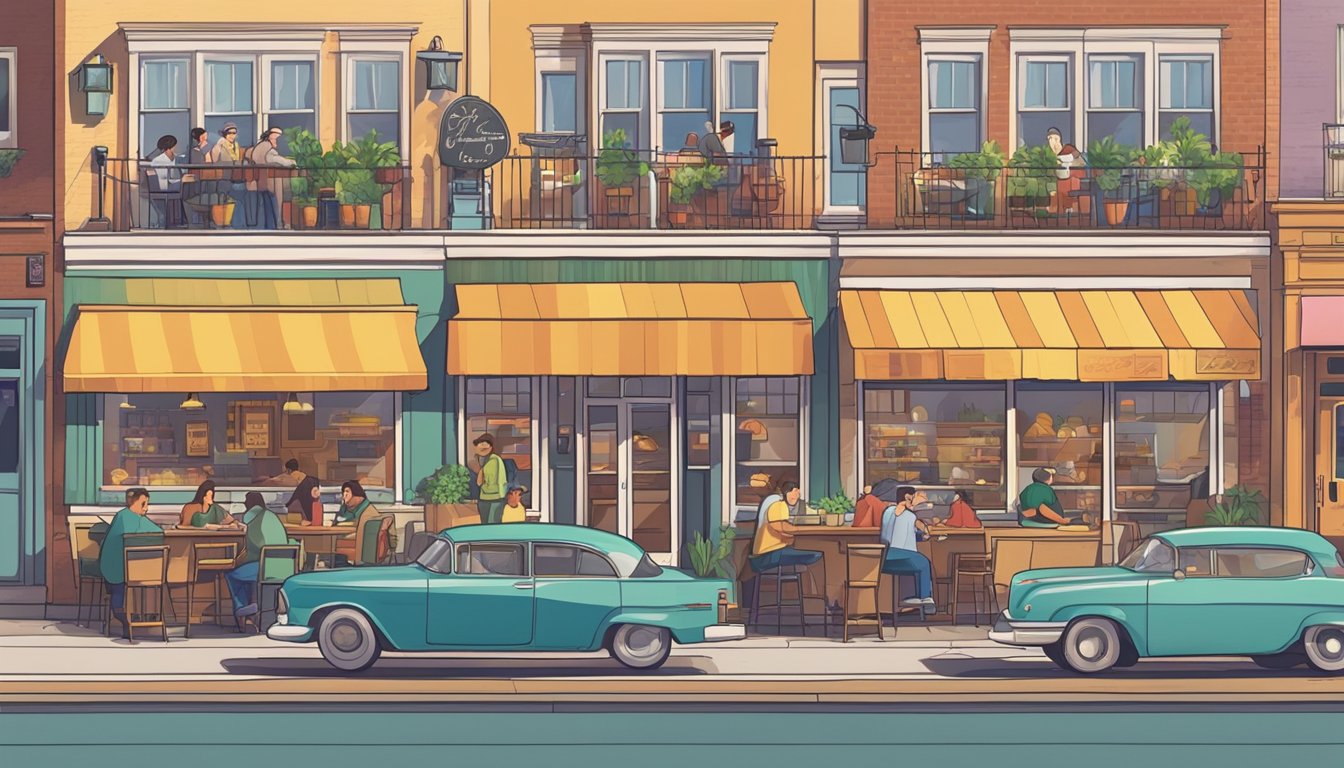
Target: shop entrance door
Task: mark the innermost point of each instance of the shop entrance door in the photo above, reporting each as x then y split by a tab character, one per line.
631	472
21	439
1329	485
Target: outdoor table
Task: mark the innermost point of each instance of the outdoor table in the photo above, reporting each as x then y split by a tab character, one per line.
319	539
179	542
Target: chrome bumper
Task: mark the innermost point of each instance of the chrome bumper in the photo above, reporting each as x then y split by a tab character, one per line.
717	633
1014	632
290	633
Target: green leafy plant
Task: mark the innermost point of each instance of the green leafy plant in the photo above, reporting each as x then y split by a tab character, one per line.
356	186
1109	160
617	164
1239	506
8	159
450	484
1221	172
1187	148
837	504
690	179
368	152
1033	172
710	558
985	164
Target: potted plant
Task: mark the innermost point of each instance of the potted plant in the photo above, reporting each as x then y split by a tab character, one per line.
1216	183
711	558
1109	161
981	171
618	167
1031	178
834	508
8	159
1239	506
304	201
686	183
357	191
383	158
1188	149
445	493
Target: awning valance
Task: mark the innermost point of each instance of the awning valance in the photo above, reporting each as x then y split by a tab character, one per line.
630	329
128	349
1195	335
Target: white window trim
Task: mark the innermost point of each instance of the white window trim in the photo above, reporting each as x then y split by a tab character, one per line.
831	76
197	98
648	123
10	139
716	77
264	113
348	59
1148	44
561	66
561	49
1187	57
725	88
959	44
138	103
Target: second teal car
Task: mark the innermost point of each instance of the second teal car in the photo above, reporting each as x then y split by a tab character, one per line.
1274	594
506	588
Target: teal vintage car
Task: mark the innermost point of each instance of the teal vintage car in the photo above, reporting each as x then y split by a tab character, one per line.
507	588
1274	594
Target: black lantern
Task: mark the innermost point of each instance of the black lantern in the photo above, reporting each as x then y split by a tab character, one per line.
854	140
95	80
440	66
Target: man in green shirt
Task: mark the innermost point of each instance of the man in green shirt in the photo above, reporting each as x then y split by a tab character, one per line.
1039	505
129	520
492	477
264	529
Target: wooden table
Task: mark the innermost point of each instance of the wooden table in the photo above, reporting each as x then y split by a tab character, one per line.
319	539
180	542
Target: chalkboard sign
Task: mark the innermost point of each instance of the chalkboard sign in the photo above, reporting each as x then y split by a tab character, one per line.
472	135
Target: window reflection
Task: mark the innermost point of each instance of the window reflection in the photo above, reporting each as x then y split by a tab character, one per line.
1060	428
1161	447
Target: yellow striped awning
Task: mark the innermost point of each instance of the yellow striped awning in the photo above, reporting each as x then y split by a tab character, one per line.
128	349
1195	335
630	329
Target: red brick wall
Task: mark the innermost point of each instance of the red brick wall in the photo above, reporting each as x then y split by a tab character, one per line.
894	62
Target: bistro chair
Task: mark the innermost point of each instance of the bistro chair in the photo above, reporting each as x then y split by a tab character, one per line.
778	578
209	562
863	573
1010	557
276	563
88	575
975	573
146	572
375	544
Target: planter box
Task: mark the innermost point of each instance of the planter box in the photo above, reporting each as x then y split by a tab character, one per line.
440	516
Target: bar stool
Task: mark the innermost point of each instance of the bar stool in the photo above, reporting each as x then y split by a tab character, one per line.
863	573
780	576
210	561
979	576
146	569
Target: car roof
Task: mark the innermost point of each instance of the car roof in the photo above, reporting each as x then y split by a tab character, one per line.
1251	536
567	534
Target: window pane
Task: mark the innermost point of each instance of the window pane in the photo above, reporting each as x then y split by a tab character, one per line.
1056	85
283	121
1125	127
624	121
1259	563
634	84
510	426
954	84
677	125
952	133
10	449
847	182
164	84
1196	561
940	84
491	560
745	130
743	80
1032	126
592	564
1199	85
1033	89
616	88
228	86
555	560
674	84
767	444
1201	122
1161	448
292	85
247	128
558	98
5	73
388	126
948	437
1060	429
156	124
376	85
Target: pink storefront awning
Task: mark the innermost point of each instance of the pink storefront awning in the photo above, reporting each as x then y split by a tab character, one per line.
1323	321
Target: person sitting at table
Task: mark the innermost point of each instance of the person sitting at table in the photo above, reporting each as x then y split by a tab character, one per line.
203	512
355	509
291	477
129	520
868	508
900	532
962	514
264	529
514	511
265	191
307	501
1039	505
772	546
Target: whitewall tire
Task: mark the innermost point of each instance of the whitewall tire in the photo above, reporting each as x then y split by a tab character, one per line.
1325	647
641	647
1091	645
347	640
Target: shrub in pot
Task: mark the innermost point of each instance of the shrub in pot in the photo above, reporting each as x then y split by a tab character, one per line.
618	167
445	493
1031	178
687	182
357	191
981	171
1110	163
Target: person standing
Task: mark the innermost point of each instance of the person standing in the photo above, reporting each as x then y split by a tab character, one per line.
899	526
264	529
203	512
131	519
491	478
267	191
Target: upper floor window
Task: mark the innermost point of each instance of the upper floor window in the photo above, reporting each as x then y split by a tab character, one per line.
1115	99
374	99
1185	87
229	97
742	101
954	106
686	97
165	108
292	102
1045	98
623	99
8	102
559	102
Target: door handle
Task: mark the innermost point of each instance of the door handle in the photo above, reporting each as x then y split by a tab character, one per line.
522	585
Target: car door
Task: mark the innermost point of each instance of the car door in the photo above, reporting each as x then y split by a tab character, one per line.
1233	600
577	589
487	601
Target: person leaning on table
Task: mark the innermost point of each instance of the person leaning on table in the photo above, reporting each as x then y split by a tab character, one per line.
900	532
129	520
355	508
772	546
264	529
203	512
1039	505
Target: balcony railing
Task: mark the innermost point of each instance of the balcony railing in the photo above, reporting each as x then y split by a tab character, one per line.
933	196
637	190
141	195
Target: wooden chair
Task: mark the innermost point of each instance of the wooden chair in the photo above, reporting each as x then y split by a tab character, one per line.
1009	557
84	562
146	570
276	563
210	561
979	576
863	573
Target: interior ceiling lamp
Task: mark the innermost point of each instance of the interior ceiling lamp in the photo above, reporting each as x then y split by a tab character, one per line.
440	66
294	405
192	403
95	80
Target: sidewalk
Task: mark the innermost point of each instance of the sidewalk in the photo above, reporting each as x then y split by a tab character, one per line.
58	662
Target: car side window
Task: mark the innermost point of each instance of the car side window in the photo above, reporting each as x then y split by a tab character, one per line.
564	560
487	559
1196	562
1259	563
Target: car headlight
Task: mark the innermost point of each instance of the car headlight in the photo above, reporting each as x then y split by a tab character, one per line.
282	607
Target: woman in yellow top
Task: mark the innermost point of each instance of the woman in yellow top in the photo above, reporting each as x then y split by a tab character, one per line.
514	511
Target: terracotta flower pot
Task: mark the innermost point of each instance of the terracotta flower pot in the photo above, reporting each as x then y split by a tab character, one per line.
620	200
1116	211
386	175
347	215
309	216
362	216
221	214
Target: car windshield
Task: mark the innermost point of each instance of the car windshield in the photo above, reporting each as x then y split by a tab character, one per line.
1151	556
437	557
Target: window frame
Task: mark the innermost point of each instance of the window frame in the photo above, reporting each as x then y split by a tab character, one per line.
1070	116
353	59
1142	82
1188	58
202	83
831	78
730	430
615	572
930	111
191	86
944	43
725	92
459	560
10	139
266	91
659	86
544	78
538	492
1308	570
643	114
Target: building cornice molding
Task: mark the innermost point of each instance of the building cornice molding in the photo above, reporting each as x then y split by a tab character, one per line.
1117	34
160	31
683	31
955	34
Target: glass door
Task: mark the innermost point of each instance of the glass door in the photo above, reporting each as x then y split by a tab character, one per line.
650	481
12	512
630	473
603	467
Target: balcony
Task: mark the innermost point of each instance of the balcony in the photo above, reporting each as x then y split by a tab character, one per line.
1226	193
1333	148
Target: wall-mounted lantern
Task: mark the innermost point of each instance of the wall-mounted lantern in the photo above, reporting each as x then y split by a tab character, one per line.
95	80
854	140
440	66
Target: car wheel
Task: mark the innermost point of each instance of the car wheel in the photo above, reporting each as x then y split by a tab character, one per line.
1286	660
347	640
1325	647
1055	653
641	647
1091	646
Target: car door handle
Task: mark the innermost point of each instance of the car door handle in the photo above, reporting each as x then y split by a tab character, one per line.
522	585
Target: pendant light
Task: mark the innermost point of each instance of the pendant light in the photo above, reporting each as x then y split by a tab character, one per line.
191	403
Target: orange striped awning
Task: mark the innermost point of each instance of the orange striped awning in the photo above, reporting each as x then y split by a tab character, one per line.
128	349
1195	335
630	329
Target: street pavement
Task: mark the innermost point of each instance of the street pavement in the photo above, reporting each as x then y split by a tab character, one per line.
50	662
